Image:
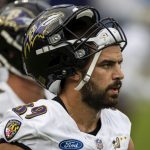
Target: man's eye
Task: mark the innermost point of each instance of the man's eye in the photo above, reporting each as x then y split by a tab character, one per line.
106	66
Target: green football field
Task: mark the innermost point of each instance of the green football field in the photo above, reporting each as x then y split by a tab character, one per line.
141	125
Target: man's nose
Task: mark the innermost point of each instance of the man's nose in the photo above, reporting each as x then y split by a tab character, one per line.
117	73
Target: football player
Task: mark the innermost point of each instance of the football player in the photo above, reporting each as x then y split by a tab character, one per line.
15	87
73	45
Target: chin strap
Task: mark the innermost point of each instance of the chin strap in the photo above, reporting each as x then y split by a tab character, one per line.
89	72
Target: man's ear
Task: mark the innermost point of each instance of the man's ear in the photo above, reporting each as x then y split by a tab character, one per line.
77	76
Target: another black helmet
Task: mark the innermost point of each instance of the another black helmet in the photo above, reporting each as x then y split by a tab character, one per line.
14	20
60	40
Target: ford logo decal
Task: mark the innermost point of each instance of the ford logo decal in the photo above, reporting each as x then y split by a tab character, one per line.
71	144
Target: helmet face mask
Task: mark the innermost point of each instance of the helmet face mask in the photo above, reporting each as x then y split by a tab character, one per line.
14	20
61	40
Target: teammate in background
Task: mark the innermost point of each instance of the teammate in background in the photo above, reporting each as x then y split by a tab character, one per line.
74	45
15	87
75	2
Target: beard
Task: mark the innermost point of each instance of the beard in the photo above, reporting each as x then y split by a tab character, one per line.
99	99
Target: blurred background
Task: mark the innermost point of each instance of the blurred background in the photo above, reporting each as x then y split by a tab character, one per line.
134	17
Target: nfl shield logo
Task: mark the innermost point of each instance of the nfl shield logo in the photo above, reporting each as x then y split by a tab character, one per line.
99	144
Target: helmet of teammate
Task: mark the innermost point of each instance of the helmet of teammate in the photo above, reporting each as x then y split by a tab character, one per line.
14	20
62	39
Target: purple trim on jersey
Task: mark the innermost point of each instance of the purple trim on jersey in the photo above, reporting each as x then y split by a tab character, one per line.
17	144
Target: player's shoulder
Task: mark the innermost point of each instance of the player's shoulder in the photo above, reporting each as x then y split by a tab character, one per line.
29	117
32	110
42	110
38	110
116	116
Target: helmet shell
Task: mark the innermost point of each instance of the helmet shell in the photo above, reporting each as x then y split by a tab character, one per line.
14	20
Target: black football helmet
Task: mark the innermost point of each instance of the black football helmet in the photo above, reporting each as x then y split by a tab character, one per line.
63	38
14	20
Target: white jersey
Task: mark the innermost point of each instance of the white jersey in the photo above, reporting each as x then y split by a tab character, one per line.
8	98
46	125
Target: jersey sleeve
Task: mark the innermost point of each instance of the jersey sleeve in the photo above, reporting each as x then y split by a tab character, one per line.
14	129
26	124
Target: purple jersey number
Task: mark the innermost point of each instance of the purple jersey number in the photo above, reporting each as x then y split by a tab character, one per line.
35	111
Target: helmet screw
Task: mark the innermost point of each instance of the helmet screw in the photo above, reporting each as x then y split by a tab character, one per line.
64	72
